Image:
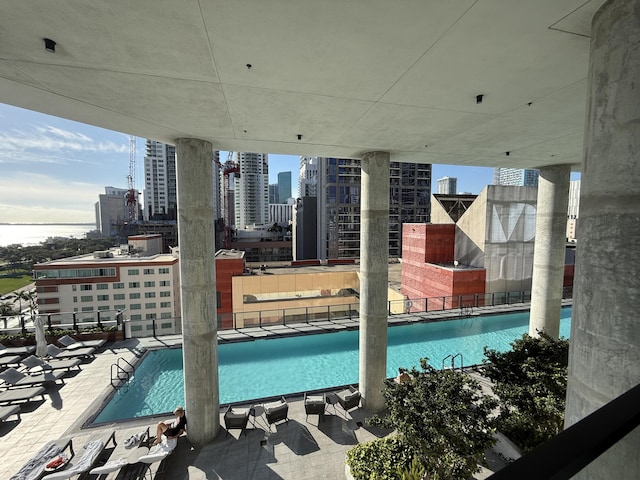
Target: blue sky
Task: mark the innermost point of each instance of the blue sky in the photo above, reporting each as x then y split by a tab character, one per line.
52	170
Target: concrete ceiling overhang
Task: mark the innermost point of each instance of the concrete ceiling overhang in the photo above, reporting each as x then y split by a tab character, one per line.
347	76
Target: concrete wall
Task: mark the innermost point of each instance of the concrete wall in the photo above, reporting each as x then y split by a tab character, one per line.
471	233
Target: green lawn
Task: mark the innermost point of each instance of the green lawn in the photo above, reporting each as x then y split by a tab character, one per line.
10	284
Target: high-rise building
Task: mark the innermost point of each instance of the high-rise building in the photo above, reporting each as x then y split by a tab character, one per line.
338	205
284	187
447	185
573	210
516	177
273	193
160	199
308	177
251	189
111	210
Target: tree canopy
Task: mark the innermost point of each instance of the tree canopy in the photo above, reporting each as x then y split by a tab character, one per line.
530	381
442	417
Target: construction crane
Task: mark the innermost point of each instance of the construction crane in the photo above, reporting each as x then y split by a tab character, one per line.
228	168
132	194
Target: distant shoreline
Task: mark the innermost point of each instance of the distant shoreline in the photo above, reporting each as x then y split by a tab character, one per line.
48	223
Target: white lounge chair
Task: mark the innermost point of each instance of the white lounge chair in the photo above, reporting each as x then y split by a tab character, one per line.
71	343
92	451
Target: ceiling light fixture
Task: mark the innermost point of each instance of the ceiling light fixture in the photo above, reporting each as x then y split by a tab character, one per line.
299	136
479	98
49	45
507	153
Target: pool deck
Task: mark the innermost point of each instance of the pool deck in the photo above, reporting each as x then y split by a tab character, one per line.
303	448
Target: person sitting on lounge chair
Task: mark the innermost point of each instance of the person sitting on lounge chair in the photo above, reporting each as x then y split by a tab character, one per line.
172	429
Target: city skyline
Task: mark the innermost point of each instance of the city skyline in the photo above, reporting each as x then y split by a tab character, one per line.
53	169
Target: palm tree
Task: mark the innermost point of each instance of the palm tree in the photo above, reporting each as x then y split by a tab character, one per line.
6	309
31	298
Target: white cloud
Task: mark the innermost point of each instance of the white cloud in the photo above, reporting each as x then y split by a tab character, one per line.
31	197
48	144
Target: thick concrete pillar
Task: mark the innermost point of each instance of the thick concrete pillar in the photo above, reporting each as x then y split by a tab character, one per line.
549	252
604	352
374	275
198	287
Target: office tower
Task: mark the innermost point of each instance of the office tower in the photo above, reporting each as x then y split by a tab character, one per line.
573	210
160	199
284	187
273	193
516	177
251	189
338	205
447	185
308	177
111	210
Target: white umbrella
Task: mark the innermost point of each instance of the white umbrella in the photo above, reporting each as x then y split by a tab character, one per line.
41	340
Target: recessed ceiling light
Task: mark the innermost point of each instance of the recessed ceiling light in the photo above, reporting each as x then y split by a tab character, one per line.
479	98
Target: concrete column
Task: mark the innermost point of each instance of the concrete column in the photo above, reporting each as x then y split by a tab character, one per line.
198	287
374	275
604	352
548	255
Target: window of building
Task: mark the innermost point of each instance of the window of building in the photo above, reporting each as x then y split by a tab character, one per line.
165	294
149	305
150	316
118	296
165	283
87	309
103	298
136	328
163	270
102	309
165	315
134	295
86	298
148	271
149	294
149	284
134	284
135	306
102	286
165	304
75	299
74	288
86	287
133	271
135	317
117	286
119	307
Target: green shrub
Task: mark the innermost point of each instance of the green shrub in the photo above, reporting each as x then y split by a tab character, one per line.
382	459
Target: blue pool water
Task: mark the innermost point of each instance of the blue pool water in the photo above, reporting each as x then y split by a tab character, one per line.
280	366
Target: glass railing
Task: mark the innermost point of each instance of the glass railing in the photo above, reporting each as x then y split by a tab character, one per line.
458	305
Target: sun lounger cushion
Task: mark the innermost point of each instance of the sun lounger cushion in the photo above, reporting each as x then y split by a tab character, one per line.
55	352
9	360
7	411
34	362
160	451
92	451
24	350
14	378
21	394
35	466
71	343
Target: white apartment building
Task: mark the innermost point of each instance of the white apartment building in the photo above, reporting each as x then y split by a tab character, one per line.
308	177
160	196
145	288
251	189
573	211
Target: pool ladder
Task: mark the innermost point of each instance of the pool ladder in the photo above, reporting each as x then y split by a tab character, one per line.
120	373
452	358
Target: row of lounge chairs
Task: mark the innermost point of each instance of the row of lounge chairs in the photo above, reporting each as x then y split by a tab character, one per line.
24	379
137	454
274	412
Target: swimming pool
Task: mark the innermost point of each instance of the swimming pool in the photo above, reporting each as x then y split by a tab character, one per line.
281	366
